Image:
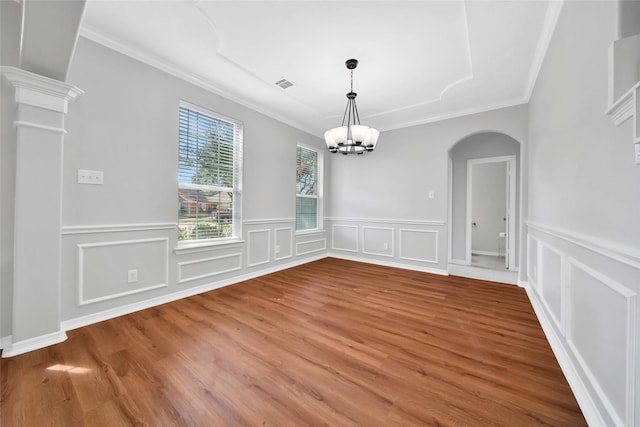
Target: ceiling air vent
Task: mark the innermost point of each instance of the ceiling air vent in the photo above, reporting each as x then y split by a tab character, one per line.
284	83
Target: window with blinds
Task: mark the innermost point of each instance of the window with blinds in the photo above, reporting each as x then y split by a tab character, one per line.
308	192
209	174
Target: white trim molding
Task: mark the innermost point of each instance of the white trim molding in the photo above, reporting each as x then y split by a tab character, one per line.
249	257
275	243
80	269
15	348
114	228
182	280
39	91
620	253
437	246
438	223
364	241
306	242
630	298
333	238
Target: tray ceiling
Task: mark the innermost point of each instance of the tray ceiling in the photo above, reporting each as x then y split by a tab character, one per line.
420	61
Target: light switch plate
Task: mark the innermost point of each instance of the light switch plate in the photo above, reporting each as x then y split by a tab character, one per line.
90	177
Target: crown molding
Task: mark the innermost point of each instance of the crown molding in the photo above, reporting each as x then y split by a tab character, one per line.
173	70
548	27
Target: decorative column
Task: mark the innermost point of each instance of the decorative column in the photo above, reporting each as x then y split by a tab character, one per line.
41	105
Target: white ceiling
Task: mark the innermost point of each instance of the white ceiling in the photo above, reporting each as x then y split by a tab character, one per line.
420	61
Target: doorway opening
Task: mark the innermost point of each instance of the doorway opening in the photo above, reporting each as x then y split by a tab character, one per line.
491	197
483	234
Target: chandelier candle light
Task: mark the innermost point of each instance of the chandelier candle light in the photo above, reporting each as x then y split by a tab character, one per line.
353	138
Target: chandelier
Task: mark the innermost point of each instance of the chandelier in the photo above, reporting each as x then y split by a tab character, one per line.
353	138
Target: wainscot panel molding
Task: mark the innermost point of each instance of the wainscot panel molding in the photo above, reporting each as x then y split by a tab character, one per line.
584	292
132	254
114	228
374	240
344	237
436	223
620	253
311	246
552	286
204	268
283	239
410	244
414	242
258	247
209	246
619	334
269	221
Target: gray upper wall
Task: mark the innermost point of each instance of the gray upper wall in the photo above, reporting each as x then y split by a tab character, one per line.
582	175
126	124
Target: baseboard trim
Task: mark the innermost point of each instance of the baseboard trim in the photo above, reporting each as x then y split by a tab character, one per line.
79	322
389	264
11	349
579	388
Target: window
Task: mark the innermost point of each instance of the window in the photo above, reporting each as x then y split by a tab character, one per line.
209	175
308	189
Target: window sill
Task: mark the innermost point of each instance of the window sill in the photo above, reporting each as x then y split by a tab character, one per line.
309	232
192	247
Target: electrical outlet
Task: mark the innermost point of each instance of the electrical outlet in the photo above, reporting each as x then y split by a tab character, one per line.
132	276
637	150
432	194
90	177
385	246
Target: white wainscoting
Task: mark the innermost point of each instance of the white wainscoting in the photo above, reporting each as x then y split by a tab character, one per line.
258	247
419	245
311	246
344	237
377	241
410	244
205	268
585	295
102	268
283	243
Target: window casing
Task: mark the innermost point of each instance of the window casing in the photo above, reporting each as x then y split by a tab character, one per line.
308	189
209	175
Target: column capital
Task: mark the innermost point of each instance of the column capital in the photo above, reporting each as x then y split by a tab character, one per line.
39	91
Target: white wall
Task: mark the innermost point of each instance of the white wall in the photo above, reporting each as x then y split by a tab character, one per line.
389	190
126	125
584	205
489	206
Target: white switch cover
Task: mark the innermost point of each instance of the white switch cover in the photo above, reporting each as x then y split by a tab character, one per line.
90	177
637	148
432	194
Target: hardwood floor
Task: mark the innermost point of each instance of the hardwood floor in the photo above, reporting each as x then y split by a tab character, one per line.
331	342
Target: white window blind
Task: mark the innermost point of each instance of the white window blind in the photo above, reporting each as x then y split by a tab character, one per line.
307	189
209	175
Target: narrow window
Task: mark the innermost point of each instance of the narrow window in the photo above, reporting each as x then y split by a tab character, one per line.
209	175
308	189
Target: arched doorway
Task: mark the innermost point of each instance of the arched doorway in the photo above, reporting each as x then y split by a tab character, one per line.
484	202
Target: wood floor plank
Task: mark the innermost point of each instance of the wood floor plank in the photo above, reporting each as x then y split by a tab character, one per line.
331	342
